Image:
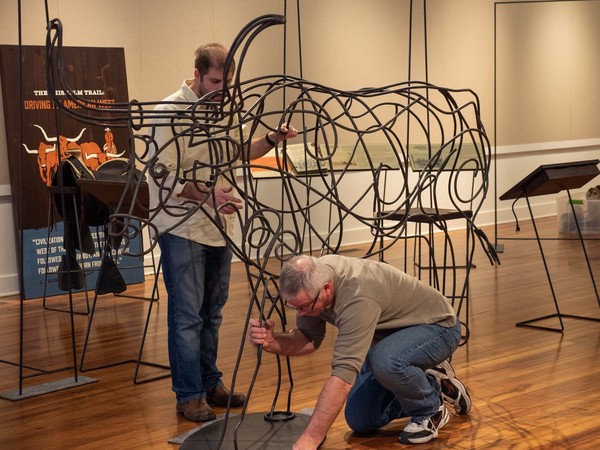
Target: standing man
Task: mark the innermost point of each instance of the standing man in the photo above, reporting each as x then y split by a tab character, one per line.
196	261
395	335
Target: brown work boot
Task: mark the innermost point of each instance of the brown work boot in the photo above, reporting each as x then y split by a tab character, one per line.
196	410
219	395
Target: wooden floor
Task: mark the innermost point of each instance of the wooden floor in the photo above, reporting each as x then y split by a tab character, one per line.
531	389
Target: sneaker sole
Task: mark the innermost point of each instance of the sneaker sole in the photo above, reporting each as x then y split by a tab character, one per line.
418	439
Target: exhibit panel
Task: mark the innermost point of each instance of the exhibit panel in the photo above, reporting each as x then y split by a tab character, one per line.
40	143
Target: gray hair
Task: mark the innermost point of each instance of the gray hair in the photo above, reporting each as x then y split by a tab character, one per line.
303	272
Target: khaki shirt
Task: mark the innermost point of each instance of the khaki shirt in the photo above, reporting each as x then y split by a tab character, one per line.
372	300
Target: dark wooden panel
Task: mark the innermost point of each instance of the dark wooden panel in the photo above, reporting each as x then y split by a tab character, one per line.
98	74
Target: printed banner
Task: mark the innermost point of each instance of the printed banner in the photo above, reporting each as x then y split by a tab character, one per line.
45	254
39	136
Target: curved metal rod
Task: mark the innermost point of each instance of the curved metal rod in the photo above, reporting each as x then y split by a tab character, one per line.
358	141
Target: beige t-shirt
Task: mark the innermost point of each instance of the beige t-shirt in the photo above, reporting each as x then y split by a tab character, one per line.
179	156
372	300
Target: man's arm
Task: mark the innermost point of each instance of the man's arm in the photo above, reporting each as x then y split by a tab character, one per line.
222	195
330	403
332	396
293	343
260	145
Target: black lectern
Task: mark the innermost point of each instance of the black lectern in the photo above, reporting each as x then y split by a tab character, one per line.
551	179
135	201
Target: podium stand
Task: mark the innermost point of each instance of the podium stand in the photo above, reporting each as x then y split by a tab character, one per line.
552	179
133	199
118	193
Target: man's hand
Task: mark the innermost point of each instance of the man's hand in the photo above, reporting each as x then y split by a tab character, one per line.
261	145
305	443
286	132
222	196
261	334
226	203
330	403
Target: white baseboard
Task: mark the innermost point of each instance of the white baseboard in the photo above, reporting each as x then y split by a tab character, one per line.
9	285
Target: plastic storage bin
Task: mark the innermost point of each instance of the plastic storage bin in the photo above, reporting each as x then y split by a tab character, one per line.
587	212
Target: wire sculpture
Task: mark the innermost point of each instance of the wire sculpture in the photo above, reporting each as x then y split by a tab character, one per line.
337	128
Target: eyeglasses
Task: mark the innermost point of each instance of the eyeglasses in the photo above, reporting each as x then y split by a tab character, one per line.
304	308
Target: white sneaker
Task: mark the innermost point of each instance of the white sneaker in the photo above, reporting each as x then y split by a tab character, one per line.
426	430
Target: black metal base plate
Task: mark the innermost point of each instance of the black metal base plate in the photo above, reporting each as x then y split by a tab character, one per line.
254	433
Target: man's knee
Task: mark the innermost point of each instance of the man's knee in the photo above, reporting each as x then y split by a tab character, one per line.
357	419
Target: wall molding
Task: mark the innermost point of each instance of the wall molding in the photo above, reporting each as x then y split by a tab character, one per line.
554	146
5	190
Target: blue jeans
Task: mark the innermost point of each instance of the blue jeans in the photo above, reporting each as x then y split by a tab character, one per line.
197	281
392	382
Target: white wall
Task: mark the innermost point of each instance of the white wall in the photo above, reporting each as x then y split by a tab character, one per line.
346	44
